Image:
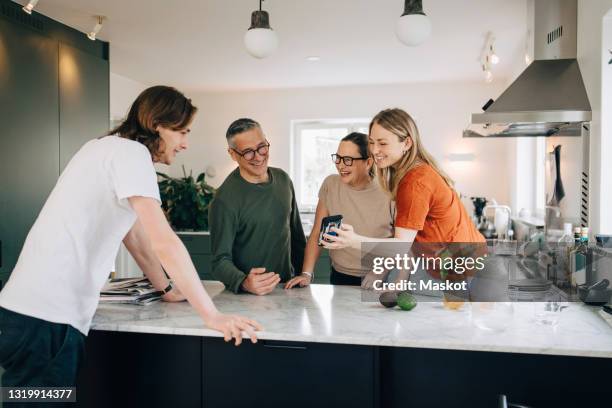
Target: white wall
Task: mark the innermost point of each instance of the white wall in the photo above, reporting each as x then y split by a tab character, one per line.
442	110
606	126
123	91
593	57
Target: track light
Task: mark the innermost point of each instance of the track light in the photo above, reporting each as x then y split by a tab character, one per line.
94	32
30	6
493	56
489	49
413	27
260	40
488	57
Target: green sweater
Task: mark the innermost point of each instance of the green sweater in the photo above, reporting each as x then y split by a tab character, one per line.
253	226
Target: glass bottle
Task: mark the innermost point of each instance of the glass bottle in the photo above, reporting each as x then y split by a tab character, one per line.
574	261
562	256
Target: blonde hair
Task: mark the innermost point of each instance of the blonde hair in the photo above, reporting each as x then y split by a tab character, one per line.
403	126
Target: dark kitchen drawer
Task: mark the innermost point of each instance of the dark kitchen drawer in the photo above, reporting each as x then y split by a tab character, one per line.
322	268
288	374
196	244
203	264
140	370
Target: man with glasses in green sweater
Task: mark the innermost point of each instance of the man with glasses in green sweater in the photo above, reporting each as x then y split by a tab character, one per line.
256	233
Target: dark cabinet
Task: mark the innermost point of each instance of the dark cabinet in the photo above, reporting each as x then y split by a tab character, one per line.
288	374
140	370
83	80
54	96
153	370
412	377
29	159
198	246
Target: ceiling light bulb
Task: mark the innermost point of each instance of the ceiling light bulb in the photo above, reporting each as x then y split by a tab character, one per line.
313	58
94	32
413	27
488	76
494	59
30	6
260	40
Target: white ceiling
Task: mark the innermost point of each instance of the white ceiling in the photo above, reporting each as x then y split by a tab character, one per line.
197	44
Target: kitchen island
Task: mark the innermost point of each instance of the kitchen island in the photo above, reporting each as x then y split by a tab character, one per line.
323	346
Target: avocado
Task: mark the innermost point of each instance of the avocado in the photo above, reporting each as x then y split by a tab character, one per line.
388	299
406	301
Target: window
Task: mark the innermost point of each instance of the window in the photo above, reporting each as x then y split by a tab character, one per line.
312	144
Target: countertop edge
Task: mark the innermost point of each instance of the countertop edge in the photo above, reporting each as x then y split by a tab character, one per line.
203	332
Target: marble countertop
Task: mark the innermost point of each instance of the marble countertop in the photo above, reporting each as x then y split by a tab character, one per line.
336	314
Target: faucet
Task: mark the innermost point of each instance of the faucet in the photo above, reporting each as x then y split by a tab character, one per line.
501	207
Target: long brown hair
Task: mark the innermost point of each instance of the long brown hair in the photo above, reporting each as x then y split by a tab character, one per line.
157	105
403	126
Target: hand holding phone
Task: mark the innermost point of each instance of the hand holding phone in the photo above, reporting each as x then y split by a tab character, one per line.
327	224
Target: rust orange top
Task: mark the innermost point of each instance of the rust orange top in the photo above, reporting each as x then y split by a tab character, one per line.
427	204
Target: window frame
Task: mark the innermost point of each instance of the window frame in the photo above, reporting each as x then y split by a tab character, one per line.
297	127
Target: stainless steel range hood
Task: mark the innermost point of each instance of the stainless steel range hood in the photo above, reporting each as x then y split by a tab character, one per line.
549	98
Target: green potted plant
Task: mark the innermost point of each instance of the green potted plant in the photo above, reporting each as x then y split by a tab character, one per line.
185	200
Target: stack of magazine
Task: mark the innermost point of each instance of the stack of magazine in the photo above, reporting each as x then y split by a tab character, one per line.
134	291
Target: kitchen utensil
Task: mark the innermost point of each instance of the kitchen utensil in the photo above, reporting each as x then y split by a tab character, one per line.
479	205
558	192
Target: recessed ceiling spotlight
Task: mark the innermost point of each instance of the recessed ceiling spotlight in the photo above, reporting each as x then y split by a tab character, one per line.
313	58
30	6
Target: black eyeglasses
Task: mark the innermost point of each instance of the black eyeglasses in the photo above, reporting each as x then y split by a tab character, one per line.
348	160
249	154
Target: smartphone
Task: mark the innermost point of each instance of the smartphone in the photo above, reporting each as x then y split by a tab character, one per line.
327	224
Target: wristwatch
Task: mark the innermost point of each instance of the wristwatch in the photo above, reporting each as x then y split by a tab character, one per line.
167	289
309	274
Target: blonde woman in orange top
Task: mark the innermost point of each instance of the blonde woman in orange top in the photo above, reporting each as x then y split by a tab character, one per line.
428	208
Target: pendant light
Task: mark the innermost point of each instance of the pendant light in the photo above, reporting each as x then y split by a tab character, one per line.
413	27
260	40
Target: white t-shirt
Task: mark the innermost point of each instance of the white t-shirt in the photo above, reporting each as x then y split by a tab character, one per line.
70	250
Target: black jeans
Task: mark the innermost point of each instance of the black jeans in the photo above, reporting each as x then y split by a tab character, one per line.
339	278
38	353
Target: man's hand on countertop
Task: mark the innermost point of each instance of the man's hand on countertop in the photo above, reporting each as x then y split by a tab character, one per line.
259	282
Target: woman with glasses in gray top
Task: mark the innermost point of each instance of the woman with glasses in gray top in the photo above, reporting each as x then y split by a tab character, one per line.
354	194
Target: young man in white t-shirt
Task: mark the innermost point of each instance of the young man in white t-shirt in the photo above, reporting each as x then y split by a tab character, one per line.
107	194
